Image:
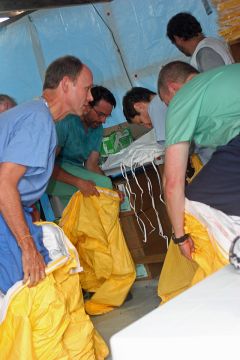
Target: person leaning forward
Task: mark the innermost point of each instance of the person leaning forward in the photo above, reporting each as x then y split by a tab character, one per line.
27	152
204	108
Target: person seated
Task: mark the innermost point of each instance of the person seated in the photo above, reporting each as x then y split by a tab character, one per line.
206	53
79	141
6	102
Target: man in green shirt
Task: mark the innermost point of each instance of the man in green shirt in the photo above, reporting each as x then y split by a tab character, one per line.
79	142
204	108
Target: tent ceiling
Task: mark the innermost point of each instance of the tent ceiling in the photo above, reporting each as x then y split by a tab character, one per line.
14	9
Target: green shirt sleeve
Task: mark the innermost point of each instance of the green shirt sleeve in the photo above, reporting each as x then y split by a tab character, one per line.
183	114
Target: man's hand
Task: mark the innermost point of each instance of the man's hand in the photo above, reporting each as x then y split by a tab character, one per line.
33	264
87	187
187	248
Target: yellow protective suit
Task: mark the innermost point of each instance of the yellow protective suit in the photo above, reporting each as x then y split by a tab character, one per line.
183	273
207	254
179	273
92	225
48	321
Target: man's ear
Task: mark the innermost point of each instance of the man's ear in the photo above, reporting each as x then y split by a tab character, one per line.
139	106
65	83
173	87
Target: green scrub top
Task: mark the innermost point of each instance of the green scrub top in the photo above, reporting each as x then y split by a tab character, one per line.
75	141
206	109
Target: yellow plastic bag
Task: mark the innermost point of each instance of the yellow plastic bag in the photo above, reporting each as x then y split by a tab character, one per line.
48	321
206	254
178	273
92	225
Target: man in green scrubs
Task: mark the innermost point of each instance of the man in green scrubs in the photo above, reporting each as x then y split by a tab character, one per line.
79	141
204	108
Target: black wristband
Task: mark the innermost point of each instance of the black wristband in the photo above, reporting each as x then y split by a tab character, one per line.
179	240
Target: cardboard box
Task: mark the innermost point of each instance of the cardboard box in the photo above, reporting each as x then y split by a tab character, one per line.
142	199
134	237
148	255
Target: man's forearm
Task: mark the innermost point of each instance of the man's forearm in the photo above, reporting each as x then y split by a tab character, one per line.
174	197
12	212
61	175
95	168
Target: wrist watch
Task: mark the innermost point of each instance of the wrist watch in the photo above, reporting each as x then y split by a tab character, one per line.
180	239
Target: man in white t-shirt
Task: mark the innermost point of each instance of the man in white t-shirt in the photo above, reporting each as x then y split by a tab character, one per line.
206	53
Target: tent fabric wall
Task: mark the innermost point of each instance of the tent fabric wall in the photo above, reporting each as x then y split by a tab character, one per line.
123	42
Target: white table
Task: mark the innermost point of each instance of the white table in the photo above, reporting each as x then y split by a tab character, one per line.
202	323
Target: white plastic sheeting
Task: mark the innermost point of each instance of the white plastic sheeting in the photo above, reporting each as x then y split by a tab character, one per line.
124	43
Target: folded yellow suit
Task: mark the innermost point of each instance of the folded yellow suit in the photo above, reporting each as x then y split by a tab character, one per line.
92	225
48	321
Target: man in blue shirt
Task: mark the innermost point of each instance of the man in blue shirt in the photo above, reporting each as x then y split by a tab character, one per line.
79	141
27	151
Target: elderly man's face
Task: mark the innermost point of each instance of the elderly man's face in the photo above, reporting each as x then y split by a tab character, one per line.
80	91
97	114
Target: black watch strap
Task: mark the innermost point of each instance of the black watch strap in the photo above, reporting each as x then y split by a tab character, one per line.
179	240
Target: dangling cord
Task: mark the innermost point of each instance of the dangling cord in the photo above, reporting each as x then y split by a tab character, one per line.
140	222
133	167
154	207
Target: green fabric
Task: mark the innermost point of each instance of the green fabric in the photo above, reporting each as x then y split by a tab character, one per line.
65	191
206	109
76	143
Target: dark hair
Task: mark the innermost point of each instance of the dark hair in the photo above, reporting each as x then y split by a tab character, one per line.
67	65
102	93
175	71
6	98
183	25
136	94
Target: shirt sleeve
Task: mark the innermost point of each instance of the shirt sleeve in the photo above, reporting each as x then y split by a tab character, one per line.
157	113
207	59
183	114
30	143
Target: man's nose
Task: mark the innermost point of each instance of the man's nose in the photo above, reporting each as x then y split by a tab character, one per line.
89	96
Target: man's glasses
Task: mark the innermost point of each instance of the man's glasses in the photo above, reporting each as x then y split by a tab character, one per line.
101	114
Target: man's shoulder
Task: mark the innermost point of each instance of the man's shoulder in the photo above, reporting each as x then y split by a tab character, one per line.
70	121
